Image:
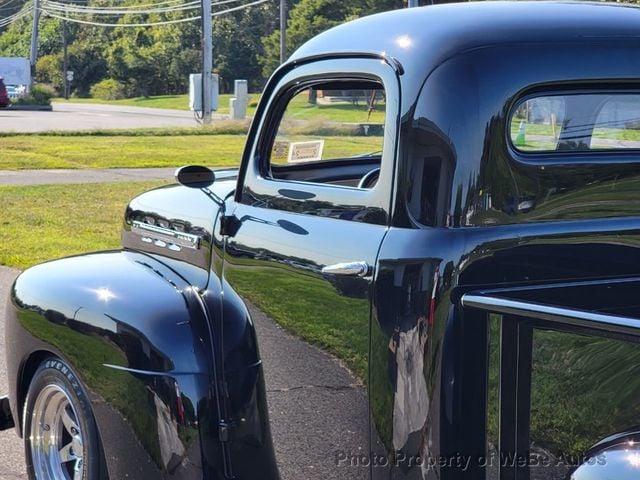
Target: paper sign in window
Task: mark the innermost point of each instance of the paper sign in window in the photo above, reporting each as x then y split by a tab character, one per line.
305	151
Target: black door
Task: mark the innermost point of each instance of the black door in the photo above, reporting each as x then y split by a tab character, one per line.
312	212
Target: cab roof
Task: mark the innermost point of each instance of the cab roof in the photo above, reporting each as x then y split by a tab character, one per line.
422	38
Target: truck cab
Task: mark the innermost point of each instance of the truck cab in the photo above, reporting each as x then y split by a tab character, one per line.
466	246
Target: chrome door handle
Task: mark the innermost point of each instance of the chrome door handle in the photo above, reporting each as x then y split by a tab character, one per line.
353	269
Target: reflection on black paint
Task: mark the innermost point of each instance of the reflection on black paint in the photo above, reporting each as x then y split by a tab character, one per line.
296	194
292	227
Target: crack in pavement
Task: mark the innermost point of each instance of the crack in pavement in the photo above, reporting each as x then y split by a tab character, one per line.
310	387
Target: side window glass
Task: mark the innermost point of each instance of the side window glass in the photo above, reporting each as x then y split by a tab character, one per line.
618	123
578	122
330	133
536	124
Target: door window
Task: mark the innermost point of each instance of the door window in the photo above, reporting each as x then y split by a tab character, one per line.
325	145
328	123
330	133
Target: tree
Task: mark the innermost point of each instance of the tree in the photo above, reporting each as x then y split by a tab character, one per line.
306	20
154	60
237	43
49	70
158	59
311	17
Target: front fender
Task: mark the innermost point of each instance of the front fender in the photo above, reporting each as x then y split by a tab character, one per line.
137	335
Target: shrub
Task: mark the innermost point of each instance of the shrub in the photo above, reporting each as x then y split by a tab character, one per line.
39	95
42	94
49	71
108	89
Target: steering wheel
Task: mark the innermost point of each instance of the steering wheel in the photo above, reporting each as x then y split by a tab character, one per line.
369	179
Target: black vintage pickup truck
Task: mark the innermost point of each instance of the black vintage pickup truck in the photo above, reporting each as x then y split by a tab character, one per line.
447	198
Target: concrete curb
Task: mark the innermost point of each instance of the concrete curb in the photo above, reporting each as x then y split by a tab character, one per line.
30	108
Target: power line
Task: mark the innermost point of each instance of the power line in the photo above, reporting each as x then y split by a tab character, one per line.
50	7
235	9
122	11
15	13
150	24
16	16
100	24
5	6
139	9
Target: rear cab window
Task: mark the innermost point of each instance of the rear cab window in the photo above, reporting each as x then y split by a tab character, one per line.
576	122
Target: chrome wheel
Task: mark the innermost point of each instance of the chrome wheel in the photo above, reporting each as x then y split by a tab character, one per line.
56	443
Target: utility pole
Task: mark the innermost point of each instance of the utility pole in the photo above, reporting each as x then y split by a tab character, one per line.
65	68
34	38
207	60
283	31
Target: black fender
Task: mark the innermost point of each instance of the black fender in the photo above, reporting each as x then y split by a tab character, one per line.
138	336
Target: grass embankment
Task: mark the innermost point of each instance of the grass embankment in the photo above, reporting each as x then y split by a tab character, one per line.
221	144
51	221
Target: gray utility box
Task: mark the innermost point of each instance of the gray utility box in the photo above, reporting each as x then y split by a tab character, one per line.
238	103
195	92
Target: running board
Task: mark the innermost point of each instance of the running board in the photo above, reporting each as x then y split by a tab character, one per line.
6	418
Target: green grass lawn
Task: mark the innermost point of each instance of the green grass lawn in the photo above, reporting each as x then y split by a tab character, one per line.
300	109
177	102
22	152
41	151
51	221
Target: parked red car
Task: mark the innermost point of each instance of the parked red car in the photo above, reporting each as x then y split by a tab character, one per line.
4	96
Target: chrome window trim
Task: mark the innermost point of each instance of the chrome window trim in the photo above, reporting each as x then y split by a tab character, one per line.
551	313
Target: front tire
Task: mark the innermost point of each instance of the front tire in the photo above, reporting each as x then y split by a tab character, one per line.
61	440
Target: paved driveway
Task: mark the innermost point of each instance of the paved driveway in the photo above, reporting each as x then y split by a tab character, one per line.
11	457
97	175
84	116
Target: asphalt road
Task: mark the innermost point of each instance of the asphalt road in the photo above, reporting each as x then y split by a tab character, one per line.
84	116
46	177
316	407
